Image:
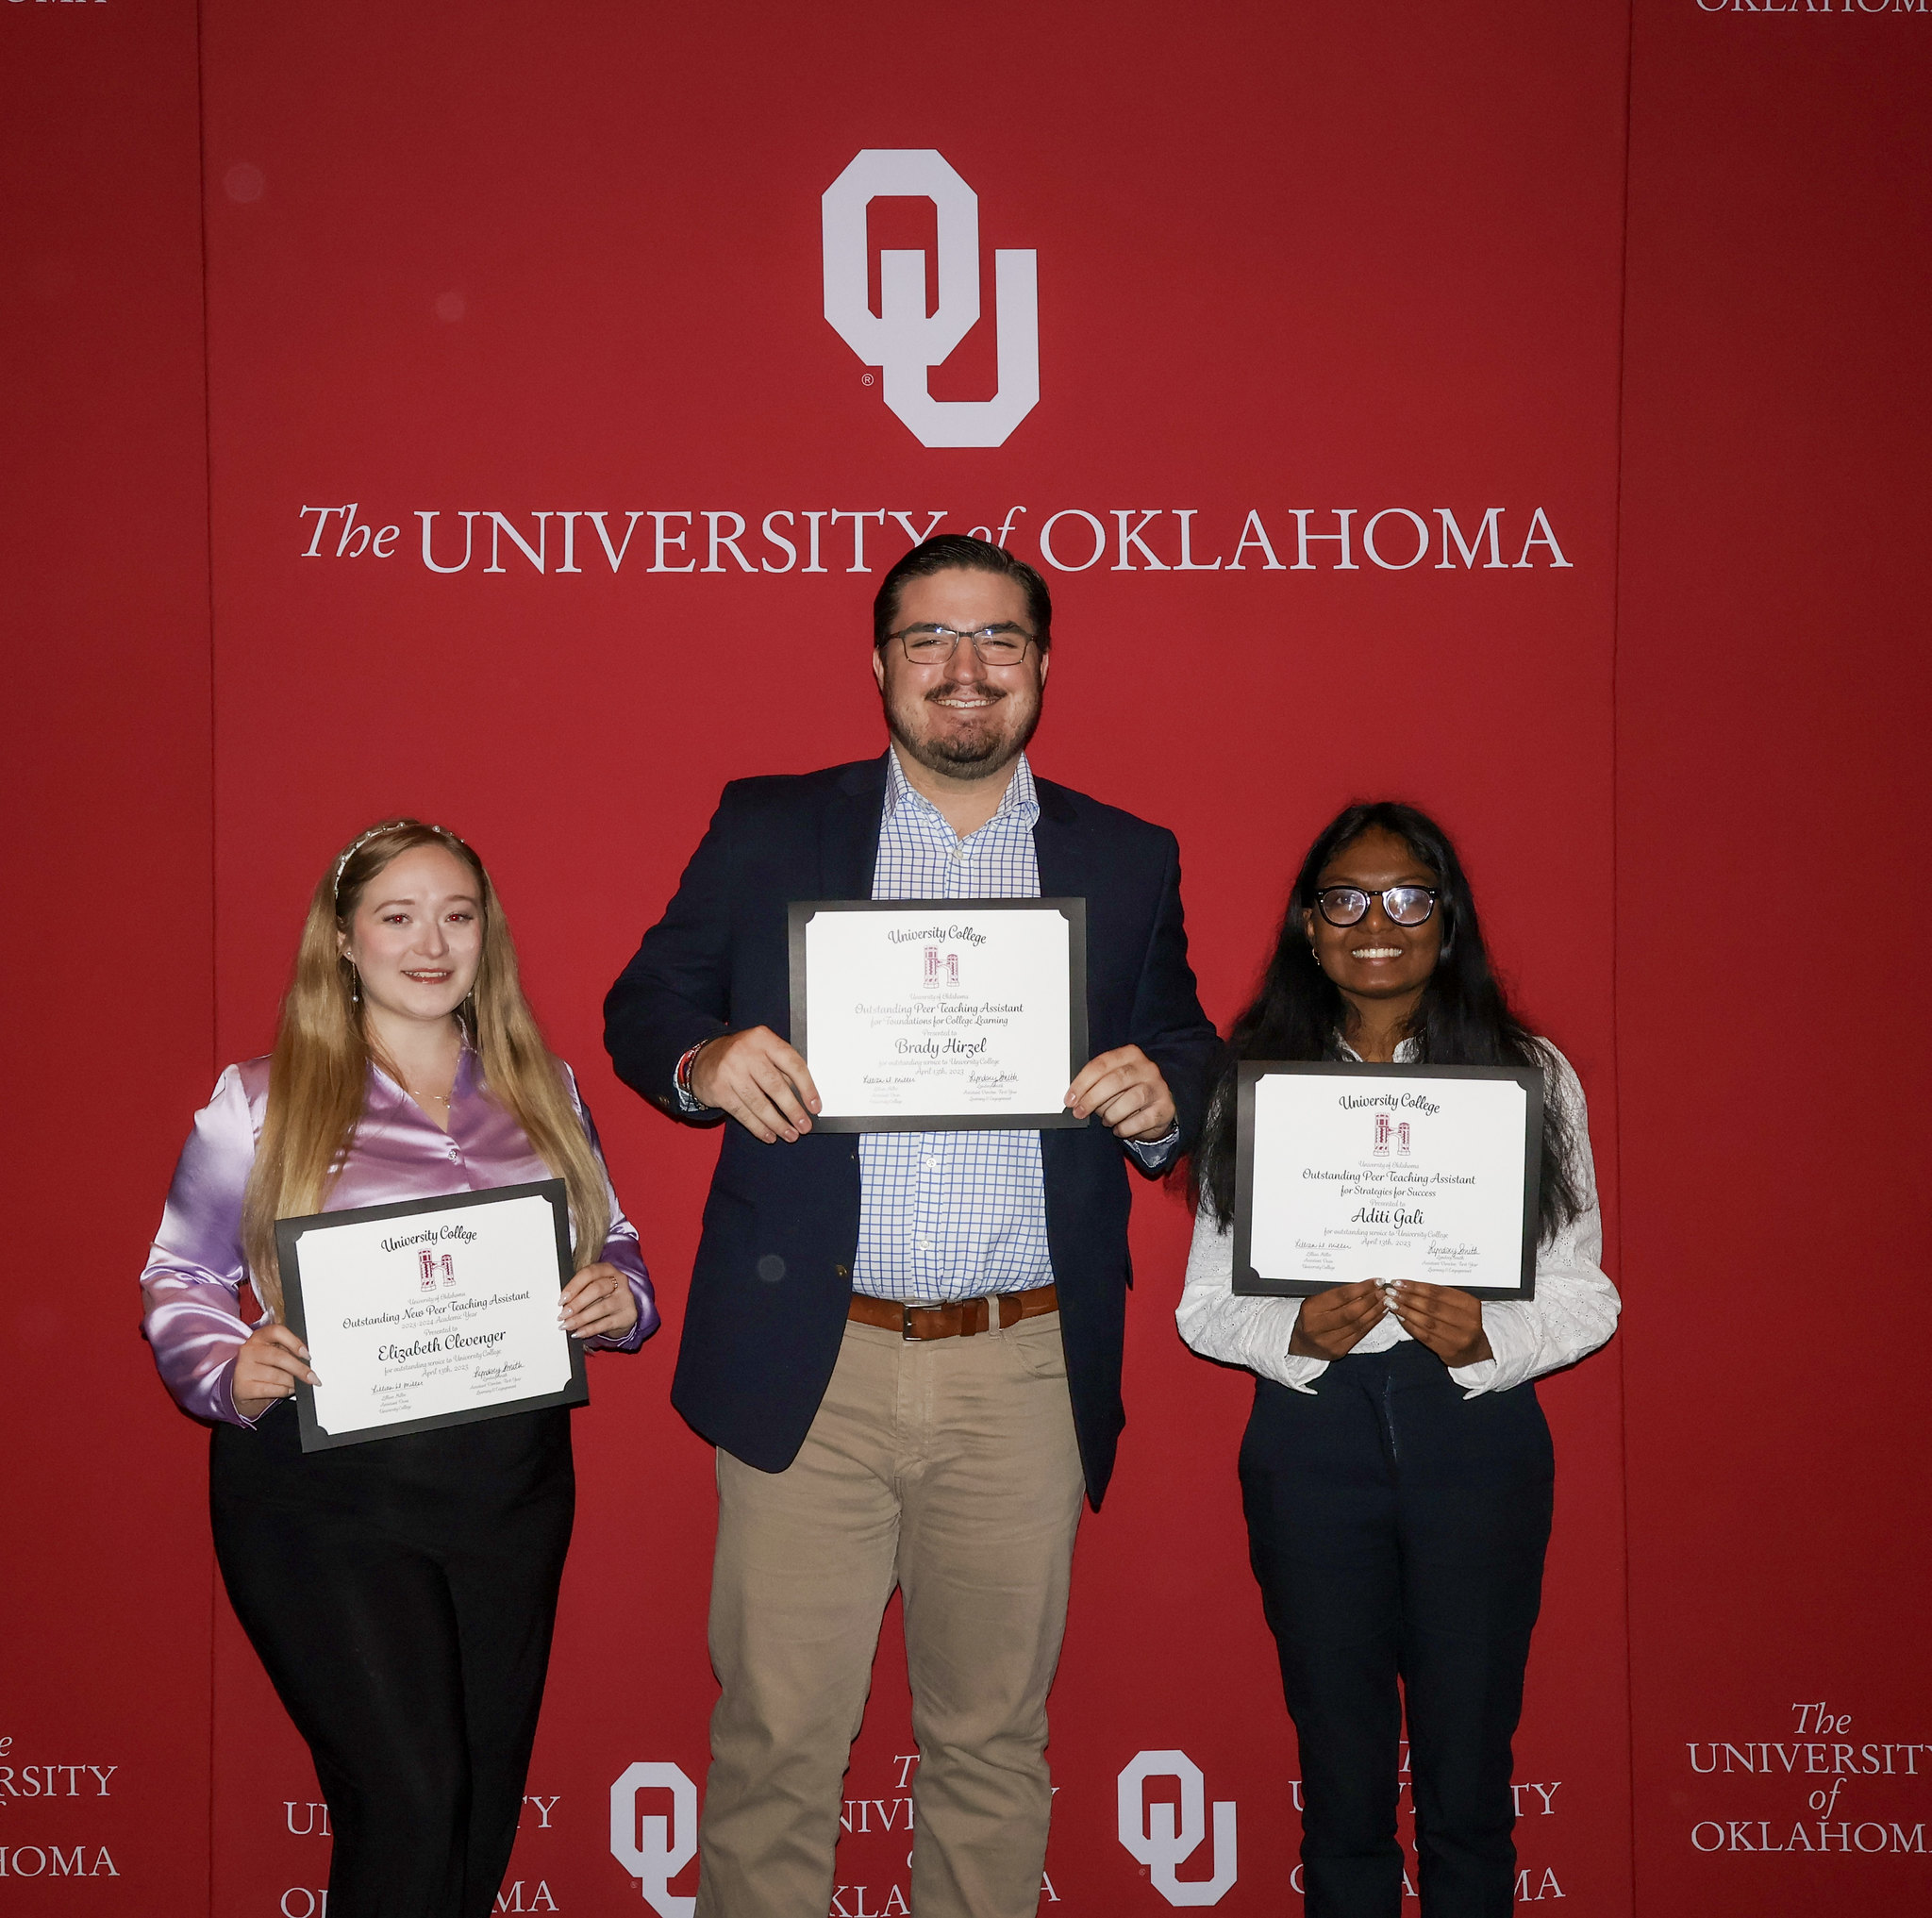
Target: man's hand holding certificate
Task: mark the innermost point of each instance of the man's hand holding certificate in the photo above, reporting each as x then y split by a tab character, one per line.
937	1015
943	1015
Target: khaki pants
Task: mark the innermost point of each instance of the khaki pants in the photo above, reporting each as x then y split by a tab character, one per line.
947	1467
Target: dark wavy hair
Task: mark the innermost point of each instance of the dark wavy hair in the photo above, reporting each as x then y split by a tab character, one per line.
1464	1017
959	552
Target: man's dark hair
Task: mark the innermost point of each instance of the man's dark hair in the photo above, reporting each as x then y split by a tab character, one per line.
955	552
1464	1018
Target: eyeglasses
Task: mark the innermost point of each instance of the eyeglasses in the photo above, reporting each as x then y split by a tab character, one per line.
1003	645
1404	905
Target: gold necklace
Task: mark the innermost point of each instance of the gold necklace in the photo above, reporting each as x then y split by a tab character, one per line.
440	1098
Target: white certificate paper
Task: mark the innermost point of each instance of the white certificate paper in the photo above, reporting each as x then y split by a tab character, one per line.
940	1014
1348	1171
430	1313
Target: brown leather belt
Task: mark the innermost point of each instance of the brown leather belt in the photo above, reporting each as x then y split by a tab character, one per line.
961	1320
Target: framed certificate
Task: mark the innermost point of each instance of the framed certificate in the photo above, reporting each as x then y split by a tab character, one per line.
1347	1172
430	1312
940	1015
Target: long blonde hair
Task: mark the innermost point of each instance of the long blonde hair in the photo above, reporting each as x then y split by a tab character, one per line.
318	1075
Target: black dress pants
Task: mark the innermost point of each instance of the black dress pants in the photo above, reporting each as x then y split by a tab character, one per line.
401	1594
1397	1530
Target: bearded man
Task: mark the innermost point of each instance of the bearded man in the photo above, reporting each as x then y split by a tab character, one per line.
906	1346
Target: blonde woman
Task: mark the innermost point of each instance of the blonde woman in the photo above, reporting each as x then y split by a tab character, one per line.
401	1591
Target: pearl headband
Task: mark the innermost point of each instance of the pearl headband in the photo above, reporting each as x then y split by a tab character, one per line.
377	832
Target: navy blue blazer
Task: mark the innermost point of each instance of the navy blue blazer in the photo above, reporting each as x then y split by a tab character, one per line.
774	1271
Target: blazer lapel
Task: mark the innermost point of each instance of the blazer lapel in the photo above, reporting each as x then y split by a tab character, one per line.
1061	858
849	832
1057	844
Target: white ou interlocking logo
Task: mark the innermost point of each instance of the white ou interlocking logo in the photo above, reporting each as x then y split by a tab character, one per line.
1161	1842
654	1849
902	339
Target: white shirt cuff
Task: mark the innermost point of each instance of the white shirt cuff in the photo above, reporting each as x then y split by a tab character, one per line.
1299	1373
1512	1346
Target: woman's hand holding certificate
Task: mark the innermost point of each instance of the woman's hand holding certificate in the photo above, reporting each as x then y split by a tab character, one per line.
269	1367
597	1304
1332	1324
439	1312
1420	1179
1446	1319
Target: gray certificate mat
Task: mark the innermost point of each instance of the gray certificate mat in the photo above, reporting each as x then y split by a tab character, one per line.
1345	1172
430	1312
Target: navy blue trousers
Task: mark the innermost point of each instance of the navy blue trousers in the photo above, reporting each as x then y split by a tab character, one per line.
1397	1531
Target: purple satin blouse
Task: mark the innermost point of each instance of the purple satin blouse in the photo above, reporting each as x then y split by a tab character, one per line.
193	1284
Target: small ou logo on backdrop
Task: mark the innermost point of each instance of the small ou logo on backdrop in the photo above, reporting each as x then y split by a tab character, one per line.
654	1849
902	339
1154	1836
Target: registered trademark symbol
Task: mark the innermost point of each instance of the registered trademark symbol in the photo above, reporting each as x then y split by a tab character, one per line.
865	379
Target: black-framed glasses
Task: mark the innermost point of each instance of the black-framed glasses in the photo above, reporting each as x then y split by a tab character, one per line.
1404	905
1003	645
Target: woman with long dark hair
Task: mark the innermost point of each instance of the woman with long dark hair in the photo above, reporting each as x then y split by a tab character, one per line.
399	1592
1396	1471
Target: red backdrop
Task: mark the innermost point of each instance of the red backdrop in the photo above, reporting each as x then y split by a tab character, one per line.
1324	293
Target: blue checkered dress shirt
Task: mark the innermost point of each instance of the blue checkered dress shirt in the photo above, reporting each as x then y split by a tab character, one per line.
952	1215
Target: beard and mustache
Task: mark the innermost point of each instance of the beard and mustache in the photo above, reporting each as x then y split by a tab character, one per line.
993	737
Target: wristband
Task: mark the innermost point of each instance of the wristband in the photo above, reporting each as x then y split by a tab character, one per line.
681	1078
